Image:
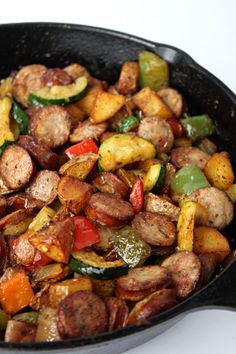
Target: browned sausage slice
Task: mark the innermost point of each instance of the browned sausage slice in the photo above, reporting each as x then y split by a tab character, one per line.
118	312
87	130
185	269
107	182
218	205
43	189
27	79
50	125
158	131
16	167
152	305
41	153
81	314
3	206
17	201
183	156
155	229
20	332
56	76
104	207
173	99
76	70
156	204
146	277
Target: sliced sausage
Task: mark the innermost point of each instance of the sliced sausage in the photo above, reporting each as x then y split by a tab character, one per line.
209	263
16	167
173	99
3	206
50	126
152	305
74	194
56	76
87	130
17	201
218	205
134	295
117	311
107	182
81	314
108	209
155	229
158	131
43	189
184	156
41	153
185	269
156	204
153	276
28	79
20	332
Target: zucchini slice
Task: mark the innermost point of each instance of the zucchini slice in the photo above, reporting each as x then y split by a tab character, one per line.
60	95
154	178
87	262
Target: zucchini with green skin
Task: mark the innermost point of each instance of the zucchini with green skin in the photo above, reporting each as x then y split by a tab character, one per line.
128	124
30	317
154	178
122	149
58	94
21	118
87	262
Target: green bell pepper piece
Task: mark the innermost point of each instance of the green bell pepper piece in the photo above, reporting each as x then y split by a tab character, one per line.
188	179
130	247
4	318
154	71
128	124
21	118
198	127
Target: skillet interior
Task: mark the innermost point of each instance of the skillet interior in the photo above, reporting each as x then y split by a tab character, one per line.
103	52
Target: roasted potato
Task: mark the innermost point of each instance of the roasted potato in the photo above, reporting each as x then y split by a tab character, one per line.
86	103
105	106
129	76
79	166
219	172
47	326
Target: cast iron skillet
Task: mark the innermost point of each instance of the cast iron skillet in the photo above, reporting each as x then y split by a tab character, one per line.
103	52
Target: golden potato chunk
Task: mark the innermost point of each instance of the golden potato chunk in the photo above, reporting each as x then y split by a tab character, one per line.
105	106
128	80
219	172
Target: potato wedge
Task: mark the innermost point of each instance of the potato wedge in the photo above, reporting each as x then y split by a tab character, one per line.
86	104
123	149
129	76
73	193
210	240
151	104
219	172
47	326
55	240
79	166
105	106
59	291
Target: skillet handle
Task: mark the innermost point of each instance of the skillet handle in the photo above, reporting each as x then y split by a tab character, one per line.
220	293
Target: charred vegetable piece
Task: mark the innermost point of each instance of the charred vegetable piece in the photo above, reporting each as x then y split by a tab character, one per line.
47	272
85	233
11	300
154	178
4	318
20	117
130	247
154	71
207	146
79	166
128	124
55	240
87	262
30	317
128	80
123	149
198	127
188	180
86	146
59	94
43	217
231	191
136	196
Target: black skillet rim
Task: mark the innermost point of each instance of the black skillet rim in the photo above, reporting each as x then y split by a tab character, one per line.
181	307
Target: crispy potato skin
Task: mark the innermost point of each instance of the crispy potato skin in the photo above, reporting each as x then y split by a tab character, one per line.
128	80
219	172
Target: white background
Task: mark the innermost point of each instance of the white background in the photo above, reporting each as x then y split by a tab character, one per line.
207	31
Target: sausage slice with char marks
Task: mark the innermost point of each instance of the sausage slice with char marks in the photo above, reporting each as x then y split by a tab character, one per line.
153	276
109	183
118	312
43	189
56	76
185	269
81	314
155	229
184	156
16	167
108	209
173	99
87	130
50	126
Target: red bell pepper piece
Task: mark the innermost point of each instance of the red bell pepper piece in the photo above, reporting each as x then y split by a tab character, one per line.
176	127
85	233
87	145
136	196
